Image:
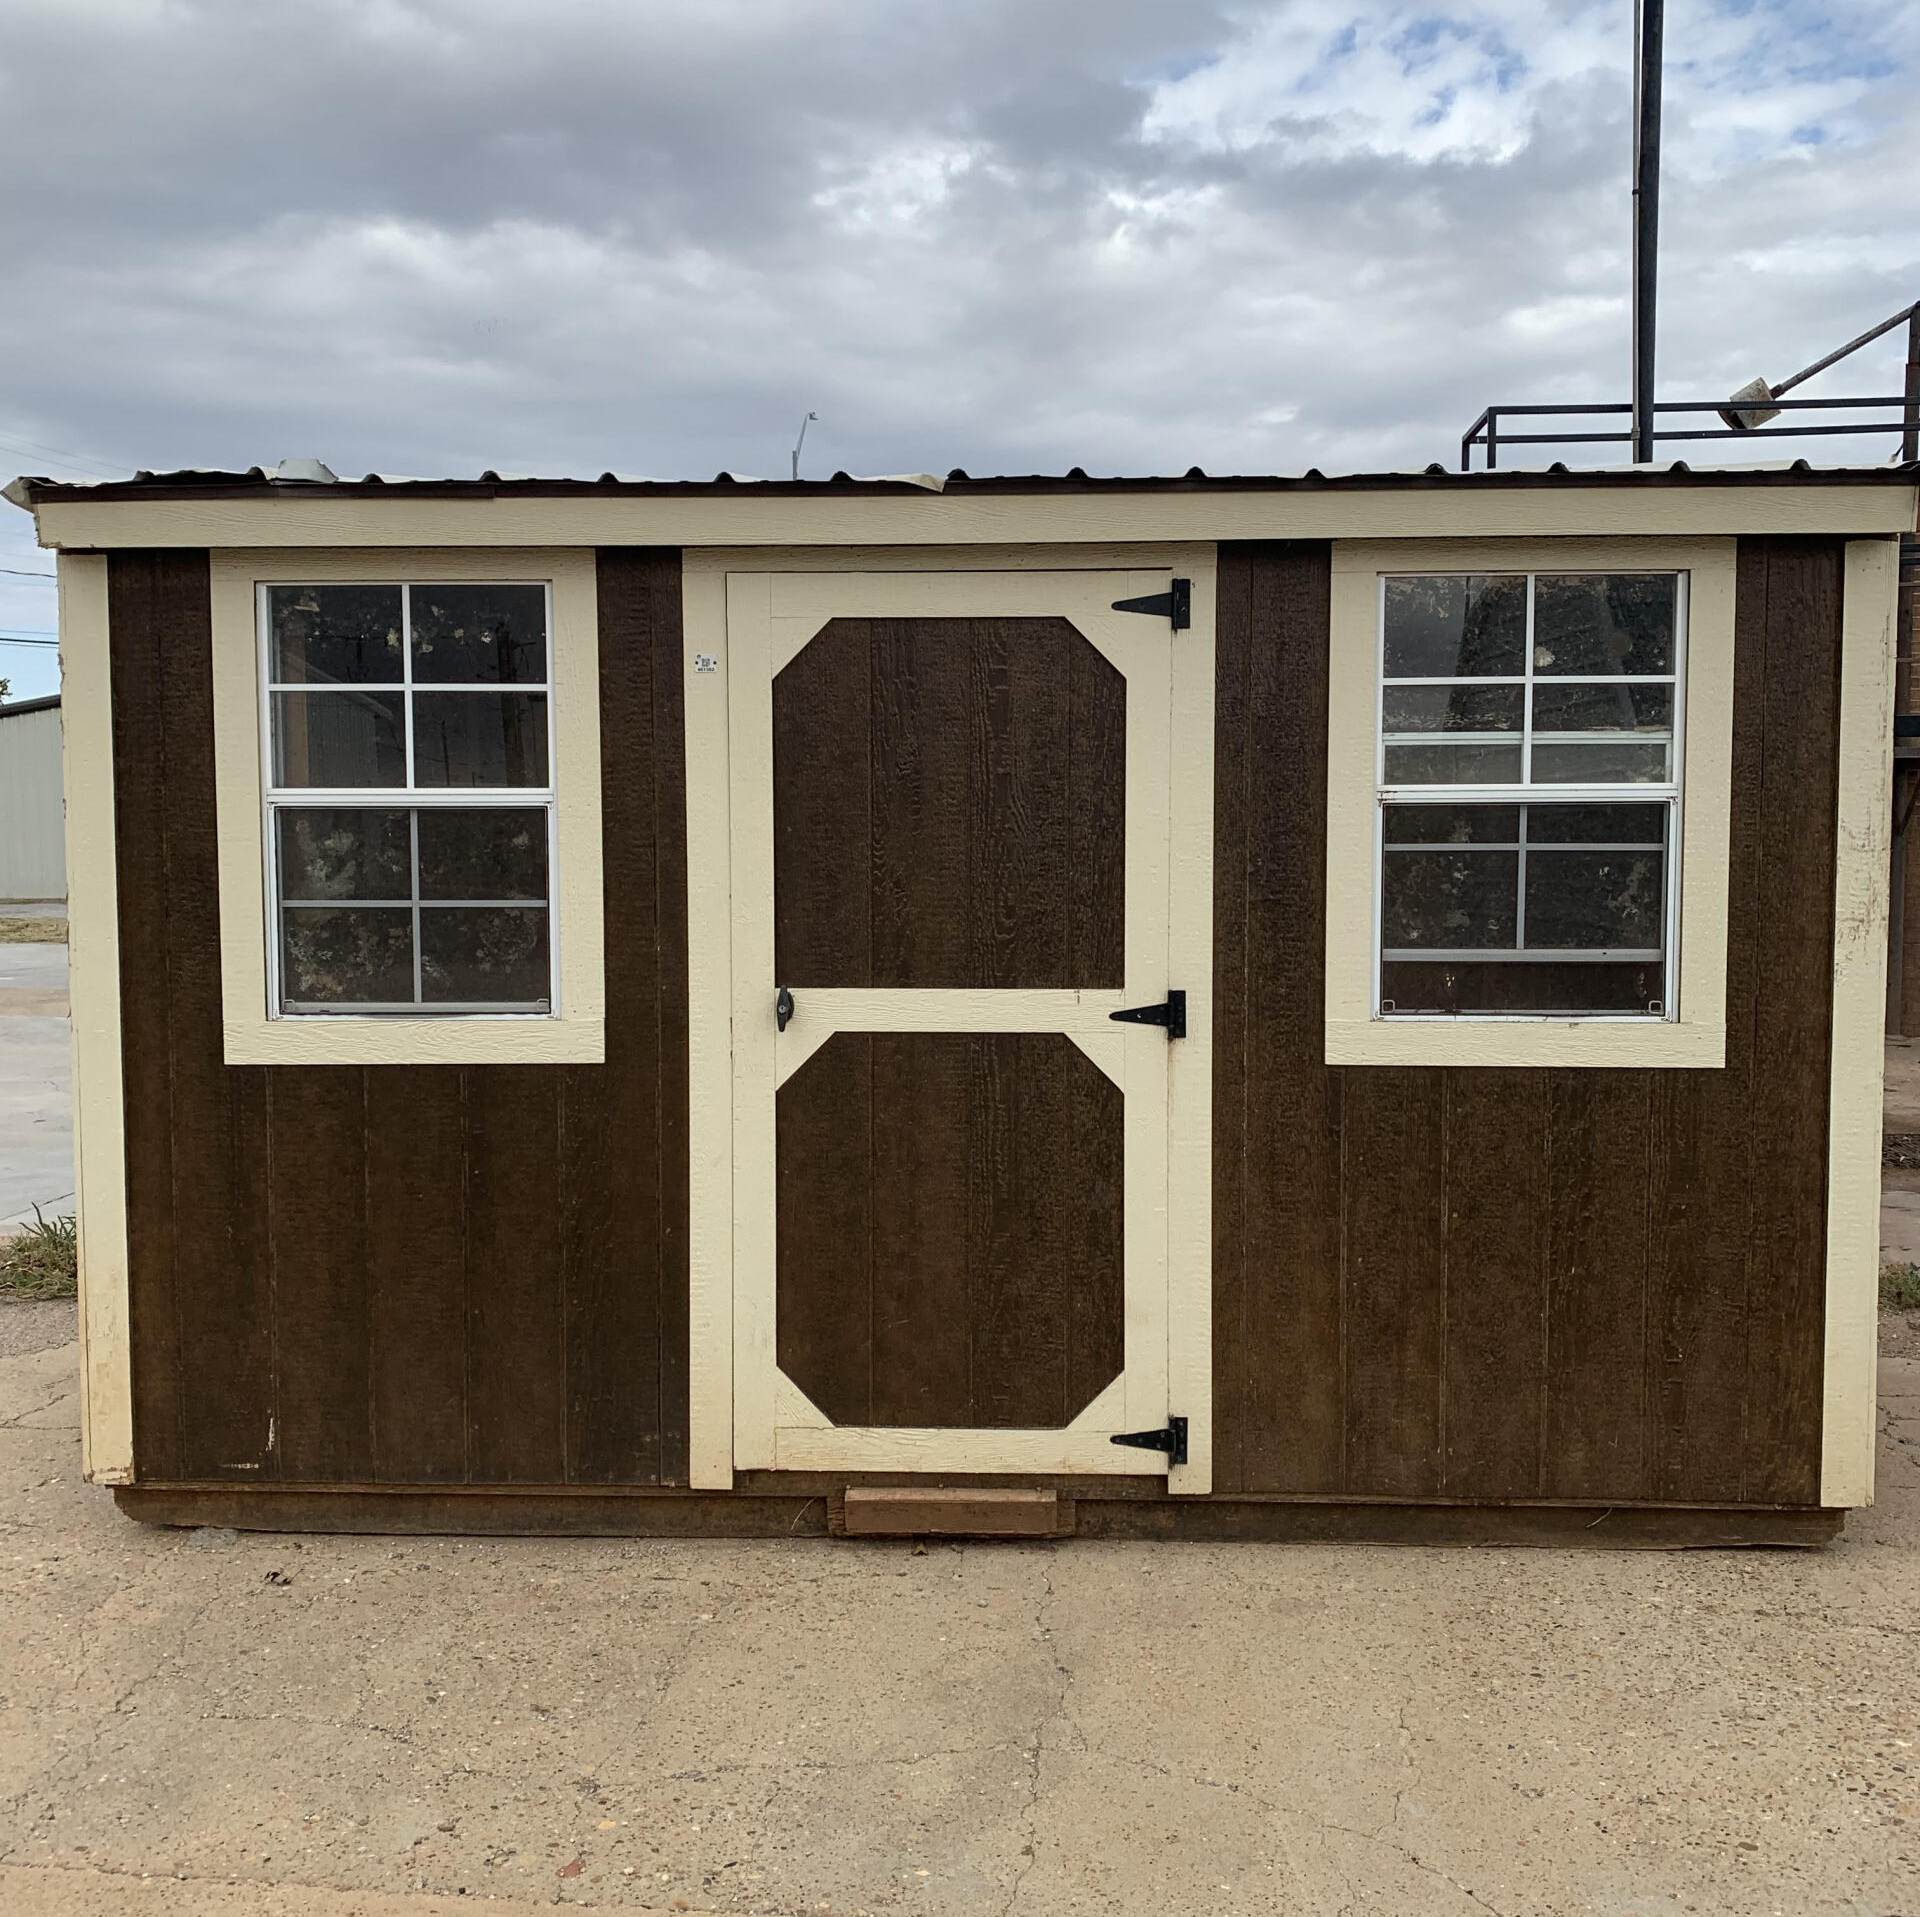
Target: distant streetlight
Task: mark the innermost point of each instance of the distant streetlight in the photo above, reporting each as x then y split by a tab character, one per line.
801	441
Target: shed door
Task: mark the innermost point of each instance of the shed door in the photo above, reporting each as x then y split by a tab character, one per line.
951	844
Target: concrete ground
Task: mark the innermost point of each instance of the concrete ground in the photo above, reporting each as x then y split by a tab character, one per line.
36	1084
209	1722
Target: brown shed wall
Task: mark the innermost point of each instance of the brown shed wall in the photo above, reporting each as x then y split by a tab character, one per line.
1428	1284
1504	1283
401	1274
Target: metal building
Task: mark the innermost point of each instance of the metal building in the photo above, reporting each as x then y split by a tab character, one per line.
33	855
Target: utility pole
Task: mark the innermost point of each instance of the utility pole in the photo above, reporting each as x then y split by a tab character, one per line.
1649	30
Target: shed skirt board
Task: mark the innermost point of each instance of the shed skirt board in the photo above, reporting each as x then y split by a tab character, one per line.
806	1510
951	817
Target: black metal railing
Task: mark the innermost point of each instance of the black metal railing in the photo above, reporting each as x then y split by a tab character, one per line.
1485	431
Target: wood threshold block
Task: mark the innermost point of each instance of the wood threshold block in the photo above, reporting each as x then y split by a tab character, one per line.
933	1511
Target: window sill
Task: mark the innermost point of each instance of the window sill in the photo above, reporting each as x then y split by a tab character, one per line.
1623	1043
342	1039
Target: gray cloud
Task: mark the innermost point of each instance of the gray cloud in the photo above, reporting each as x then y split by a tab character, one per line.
436	235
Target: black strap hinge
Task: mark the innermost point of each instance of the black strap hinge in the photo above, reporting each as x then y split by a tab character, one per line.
1175	606
1170	1012
1173	1440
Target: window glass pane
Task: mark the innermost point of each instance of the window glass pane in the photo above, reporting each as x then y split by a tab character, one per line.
1449	898
1452	824
491	957
490	635
335	635
339	738
486	852
1591	708
1455	627
1594	901
1463	708
344	852
480	738
1604	622
1566	762
1565	989
1595	824
1453	764
346	955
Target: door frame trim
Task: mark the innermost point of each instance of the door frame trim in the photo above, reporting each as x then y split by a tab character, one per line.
712	1011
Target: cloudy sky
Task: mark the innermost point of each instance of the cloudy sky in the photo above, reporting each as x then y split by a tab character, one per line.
434	236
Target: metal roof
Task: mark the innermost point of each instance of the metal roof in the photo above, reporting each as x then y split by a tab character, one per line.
306	476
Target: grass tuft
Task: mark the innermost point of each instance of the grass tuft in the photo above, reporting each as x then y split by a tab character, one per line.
1900	1287
33	931
41	1262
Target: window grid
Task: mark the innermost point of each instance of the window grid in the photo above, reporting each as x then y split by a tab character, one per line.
414	798
1527	679
1665	793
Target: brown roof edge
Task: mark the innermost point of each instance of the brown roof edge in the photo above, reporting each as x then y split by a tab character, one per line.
30	492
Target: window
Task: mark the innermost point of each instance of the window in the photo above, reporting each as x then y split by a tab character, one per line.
409	798
1527	786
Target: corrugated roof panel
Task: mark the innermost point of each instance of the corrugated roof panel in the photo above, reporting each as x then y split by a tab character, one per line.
303	476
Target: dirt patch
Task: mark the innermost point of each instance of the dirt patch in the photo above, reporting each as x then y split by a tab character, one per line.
39	1326
1900	1151
1900	1334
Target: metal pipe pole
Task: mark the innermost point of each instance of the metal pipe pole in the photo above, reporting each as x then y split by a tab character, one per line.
1649	31
1910	439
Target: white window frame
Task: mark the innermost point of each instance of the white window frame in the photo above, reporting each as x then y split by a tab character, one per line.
1692	1030
256	1031
1668	793
410	798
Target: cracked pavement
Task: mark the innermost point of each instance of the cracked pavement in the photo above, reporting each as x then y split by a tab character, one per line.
358	1727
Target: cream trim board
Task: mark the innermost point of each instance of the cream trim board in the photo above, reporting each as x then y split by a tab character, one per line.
93	957
737	1422
750	519
1190	1063
705	677
1696	1037
1861	884
577	1034
869	1448
753	1072
819	1012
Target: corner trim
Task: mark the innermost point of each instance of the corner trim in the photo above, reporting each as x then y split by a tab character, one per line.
1858	1051
93	952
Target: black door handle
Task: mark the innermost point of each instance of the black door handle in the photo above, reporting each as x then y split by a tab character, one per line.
783	1008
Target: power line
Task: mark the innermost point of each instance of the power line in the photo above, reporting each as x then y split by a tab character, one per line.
21	572
57	452
12	639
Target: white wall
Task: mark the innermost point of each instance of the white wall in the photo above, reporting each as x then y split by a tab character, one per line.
33	858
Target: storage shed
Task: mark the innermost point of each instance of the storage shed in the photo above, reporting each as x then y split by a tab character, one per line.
1311	1007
